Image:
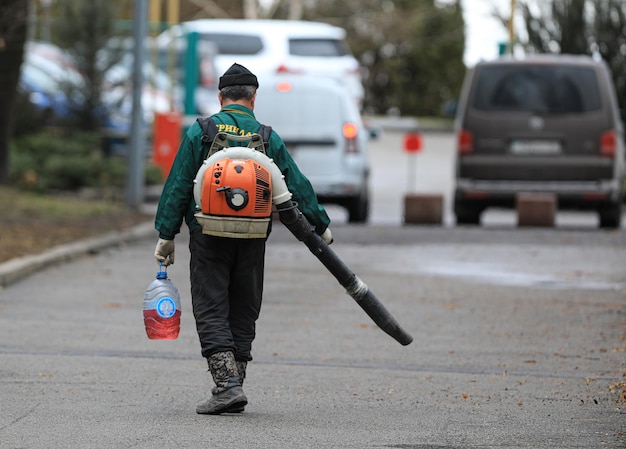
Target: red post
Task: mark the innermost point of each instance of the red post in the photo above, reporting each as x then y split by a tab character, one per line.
167	132
412	145
412	142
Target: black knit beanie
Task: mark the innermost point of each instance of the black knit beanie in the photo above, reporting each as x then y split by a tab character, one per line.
238	75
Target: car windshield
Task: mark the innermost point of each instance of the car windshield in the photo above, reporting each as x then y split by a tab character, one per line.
317	47
537	88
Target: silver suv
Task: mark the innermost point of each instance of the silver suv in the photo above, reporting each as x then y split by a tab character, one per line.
320	123
543	124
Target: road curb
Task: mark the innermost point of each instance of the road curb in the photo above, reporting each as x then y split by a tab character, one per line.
21	267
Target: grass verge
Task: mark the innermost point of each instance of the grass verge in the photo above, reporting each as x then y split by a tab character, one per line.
31	223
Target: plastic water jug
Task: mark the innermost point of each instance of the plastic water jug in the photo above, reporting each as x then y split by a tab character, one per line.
161	308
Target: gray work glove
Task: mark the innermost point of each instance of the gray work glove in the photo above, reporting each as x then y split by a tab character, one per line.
164	252
327	236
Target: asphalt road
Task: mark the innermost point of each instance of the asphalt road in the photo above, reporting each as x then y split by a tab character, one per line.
519	342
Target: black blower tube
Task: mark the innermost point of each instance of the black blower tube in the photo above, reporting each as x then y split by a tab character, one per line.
300	227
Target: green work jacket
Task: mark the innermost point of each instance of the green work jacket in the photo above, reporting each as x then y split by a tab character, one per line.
177	201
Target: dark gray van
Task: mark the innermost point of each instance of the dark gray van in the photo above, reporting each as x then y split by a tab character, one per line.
546	124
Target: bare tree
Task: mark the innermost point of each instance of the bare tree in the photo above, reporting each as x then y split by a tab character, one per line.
250	9
411	51
296	10
559	27
208	8
246	9
13	29
609	39
581	27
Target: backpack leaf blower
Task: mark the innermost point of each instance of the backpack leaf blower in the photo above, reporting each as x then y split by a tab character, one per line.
296	222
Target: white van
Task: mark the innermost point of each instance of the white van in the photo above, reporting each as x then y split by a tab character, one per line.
268	47
322	129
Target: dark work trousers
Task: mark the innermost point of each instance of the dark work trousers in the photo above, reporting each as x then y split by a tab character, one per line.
226	291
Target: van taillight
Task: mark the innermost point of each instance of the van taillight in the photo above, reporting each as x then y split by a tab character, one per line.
350	131
465	142
608	143
284	86
284	69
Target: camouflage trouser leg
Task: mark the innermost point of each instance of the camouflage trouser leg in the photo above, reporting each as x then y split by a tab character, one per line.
223	368
241	369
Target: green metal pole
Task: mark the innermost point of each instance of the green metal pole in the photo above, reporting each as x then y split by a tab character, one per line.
191	73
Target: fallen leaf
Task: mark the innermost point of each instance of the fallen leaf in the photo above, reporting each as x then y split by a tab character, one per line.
112	305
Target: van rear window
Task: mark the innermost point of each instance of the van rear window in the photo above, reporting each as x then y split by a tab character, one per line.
235	44
321	117
318	47
537	88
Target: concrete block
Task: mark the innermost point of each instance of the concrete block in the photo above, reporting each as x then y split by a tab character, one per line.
536	209
423	208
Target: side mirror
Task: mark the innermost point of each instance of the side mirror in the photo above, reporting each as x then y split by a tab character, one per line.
449	108
374	133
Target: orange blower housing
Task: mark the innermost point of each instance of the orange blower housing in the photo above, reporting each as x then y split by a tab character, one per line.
237	188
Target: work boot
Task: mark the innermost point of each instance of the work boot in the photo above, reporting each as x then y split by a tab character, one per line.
227	395
241	369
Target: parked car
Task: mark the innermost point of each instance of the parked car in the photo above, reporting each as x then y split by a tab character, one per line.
322	129
54	84
173	60
166	71
165	77
50	79
268	47
157	94
545	124
117	101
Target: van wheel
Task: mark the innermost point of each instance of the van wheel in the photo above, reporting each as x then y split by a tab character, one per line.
358	208
467	215
611	215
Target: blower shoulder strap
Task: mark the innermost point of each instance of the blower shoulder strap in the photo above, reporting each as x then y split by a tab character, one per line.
265	132
217	141
209	129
